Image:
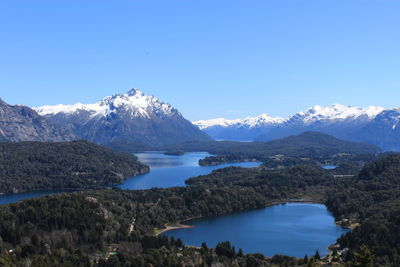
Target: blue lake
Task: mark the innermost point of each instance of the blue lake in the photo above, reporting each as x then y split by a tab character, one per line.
10	198
169	171
165	171
328	167
293	229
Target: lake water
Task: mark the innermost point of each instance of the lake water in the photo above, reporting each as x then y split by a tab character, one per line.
165	171
328	167
169	171
293	229
5	199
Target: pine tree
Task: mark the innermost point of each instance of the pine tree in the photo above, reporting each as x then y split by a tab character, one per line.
305	259
317	256
179	243
240	252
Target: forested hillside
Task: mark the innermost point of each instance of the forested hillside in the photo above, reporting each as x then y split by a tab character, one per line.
373	199
28	166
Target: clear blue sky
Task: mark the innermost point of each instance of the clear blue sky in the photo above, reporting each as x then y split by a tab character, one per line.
208	58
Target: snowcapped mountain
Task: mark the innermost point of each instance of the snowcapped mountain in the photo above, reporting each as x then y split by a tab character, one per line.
316	113
135	102
131	117
240	129
250	122
334	113
374	125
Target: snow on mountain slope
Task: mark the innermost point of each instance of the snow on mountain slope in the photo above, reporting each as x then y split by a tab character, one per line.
250	122
335	112
134	101
308	116
374	125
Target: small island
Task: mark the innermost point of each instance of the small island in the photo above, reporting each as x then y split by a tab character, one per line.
174	153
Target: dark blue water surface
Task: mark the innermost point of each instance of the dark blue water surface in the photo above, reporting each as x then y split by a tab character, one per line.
328	167
10	198
169	171
293	229
165	171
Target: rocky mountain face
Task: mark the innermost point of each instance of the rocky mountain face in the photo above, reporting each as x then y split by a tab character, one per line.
383	131
21	123
132	117
373	125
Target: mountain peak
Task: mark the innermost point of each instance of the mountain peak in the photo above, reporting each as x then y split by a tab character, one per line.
262	119
135	92
2	102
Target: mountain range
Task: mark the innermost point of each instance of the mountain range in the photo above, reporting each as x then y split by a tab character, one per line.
137	120
240	129
373	125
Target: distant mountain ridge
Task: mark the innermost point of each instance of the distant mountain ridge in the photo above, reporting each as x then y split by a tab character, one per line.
239	129
249	121
21	123
373	125
132	117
